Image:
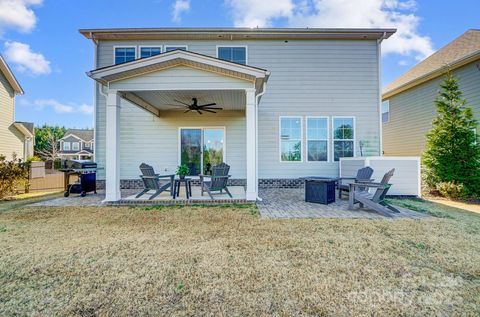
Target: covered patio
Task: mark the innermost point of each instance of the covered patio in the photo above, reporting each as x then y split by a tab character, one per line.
167	87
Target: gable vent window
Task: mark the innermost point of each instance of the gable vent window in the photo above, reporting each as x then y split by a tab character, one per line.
233	54
169	48
124	54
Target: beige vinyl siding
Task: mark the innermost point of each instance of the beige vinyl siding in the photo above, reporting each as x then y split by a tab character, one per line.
308	78
412	112
11	140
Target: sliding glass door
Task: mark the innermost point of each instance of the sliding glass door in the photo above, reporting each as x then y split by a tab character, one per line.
202	148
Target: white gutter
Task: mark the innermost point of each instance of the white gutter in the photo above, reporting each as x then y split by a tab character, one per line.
264	89
379	107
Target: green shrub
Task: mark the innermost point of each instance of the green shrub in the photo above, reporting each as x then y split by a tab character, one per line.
13	174
451	190
34	158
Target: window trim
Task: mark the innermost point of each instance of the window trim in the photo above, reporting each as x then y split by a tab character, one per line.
354	136
381	111
327	139
139	54
124	46
69	146
173	45
280	139
246	52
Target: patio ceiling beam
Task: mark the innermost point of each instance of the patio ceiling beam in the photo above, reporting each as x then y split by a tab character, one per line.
142	103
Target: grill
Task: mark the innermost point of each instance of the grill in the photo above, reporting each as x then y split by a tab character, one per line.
87	177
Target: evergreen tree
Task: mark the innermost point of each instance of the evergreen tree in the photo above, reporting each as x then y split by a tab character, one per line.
452	153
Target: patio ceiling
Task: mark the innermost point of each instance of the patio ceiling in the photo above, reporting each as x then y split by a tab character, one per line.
229	100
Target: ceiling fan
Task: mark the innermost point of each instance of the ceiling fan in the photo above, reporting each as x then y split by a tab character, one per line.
194	106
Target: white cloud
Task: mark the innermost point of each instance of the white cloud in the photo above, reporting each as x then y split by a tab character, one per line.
25	59
18	15
58	107
255	13
399	14
179	7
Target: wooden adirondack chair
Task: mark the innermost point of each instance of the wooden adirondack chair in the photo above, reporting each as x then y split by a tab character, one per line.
363	175
218	180
156	182
375	201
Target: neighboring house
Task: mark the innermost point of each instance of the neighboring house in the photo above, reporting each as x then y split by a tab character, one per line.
293	101
15	137
408	102
77	144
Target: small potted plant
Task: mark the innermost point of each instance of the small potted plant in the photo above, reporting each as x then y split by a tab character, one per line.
182	170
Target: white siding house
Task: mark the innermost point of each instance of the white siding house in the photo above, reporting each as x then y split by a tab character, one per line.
293	100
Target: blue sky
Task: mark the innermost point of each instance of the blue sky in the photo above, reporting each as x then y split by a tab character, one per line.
40	39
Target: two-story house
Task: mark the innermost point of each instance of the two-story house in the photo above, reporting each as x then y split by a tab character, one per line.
274	104
15	136
77	144
409	100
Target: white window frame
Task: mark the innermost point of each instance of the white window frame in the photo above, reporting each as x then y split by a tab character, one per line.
280	139
179	141
64	148
308	139
166	46
245	46
354	136
139	53
73	147
388	112
124	46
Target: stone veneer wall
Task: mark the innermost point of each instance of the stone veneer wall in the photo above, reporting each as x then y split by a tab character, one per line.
263	183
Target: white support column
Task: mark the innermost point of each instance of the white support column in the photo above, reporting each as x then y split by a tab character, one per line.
250	114
112	183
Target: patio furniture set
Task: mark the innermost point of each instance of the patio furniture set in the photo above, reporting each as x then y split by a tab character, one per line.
216	183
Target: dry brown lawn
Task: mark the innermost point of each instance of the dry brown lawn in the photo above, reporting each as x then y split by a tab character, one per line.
227	261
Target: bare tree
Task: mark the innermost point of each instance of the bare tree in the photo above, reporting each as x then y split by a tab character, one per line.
50	151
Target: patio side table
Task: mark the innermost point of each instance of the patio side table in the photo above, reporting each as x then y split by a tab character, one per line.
320	190
188	187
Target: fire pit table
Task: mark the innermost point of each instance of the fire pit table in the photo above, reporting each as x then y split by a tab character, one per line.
320	190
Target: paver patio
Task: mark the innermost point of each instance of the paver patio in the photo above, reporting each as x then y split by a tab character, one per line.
290	203
275	203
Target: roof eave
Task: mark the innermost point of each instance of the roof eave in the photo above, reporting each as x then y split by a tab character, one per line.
246	33
12	80
431	75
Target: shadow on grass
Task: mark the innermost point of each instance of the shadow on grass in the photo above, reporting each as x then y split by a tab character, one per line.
252	208
7	205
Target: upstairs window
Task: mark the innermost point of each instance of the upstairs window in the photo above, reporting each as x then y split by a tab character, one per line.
290	139
236	54
75	146
149	51
66	146
124	54
343	137
386	111
169	48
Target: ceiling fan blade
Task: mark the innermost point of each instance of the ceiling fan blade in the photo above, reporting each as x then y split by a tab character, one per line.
199	112
209	110
187	111
213	108
208	104
176	106
183	103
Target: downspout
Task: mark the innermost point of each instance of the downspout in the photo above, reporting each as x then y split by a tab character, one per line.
95	88
379	107
264	89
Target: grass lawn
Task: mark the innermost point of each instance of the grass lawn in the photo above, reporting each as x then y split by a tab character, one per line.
227	261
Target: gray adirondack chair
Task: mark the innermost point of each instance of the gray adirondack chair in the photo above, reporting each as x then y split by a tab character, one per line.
363	175
218	180
156	182
375	201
